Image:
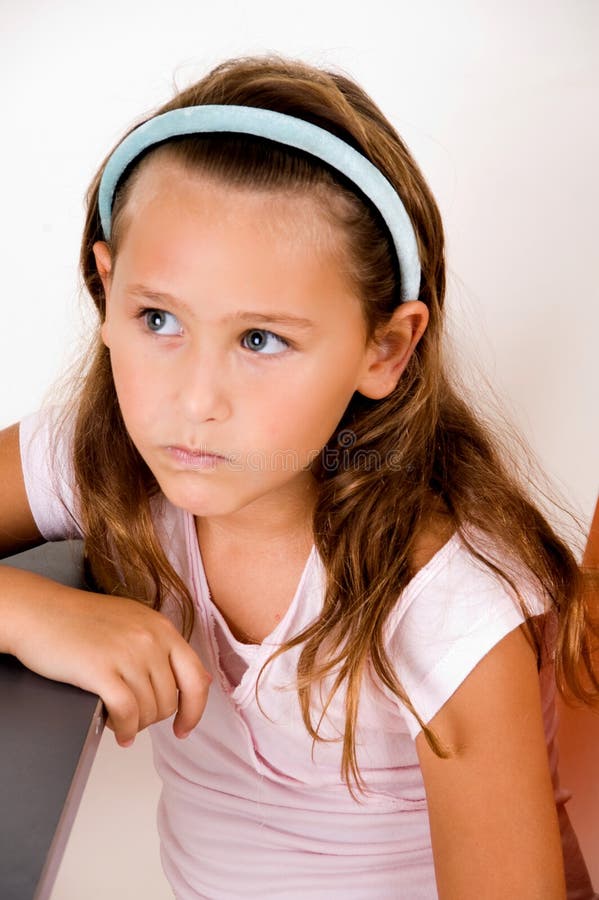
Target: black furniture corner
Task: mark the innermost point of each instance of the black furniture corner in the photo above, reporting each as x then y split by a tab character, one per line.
49	735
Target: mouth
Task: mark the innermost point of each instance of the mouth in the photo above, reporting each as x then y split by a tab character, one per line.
191	456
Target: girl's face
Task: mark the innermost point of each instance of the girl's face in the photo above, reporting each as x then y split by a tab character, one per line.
231	331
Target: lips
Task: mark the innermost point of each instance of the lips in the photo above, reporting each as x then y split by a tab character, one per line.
192	451
194	458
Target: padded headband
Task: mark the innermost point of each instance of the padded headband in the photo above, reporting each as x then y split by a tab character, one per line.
284	129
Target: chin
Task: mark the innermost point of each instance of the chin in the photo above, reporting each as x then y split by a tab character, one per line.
196	501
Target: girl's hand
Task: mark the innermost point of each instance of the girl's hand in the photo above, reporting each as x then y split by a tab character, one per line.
129	654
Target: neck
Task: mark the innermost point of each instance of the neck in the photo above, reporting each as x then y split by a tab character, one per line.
285	516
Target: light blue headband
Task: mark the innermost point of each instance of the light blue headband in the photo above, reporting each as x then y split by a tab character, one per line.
285	129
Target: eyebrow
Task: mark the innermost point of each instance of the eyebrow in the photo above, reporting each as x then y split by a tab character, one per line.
140	290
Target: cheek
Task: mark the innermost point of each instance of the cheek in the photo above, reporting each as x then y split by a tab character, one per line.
135	389
308	417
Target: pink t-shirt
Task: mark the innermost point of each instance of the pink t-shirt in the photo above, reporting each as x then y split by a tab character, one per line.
249	808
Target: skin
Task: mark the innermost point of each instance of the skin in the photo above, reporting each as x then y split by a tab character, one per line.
492	814
218	253
228	262
128	654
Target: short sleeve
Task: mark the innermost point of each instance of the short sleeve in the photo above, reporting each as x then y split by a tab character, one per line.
449	617
45	440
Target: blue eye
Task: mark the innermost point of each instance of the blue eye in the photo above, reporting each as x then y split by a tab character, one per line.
257	339
161	322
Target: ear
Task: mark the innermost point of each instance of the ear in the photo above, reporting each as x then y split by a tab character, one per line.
103	263
103	259
390	349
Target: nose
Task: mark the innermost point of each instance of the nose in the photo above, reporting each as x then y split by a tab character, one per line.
202	393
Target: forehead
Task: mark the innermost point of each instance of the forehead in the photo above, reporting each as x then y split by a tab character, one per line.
191	235
163	187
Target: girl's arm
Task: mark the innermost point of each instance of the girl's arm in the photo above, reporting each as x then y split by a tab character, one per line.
493	820
132	656
18	530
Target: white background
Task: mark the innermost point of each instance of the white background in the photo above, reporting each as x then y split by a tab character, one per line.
498	103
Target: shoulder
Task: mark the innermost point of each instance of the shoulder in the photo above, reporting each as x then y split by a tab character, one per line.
452	612
452	566
434	534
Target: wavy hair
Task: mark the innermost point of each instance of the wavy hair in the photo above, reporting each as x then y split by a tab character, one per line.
438	460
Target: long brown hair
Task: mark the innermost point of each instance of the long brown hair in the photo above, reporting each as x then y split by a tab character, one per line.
438	459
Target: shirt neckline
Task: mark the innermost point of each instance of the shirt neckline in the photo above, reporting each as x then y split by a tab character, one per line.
258	653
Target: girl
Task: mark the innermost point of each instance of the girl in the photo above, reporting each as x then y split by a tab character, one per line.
320	586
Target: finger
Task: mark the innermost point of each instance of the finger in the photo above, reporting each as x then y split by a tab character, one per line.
142	688
165	691
123	710
193	682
